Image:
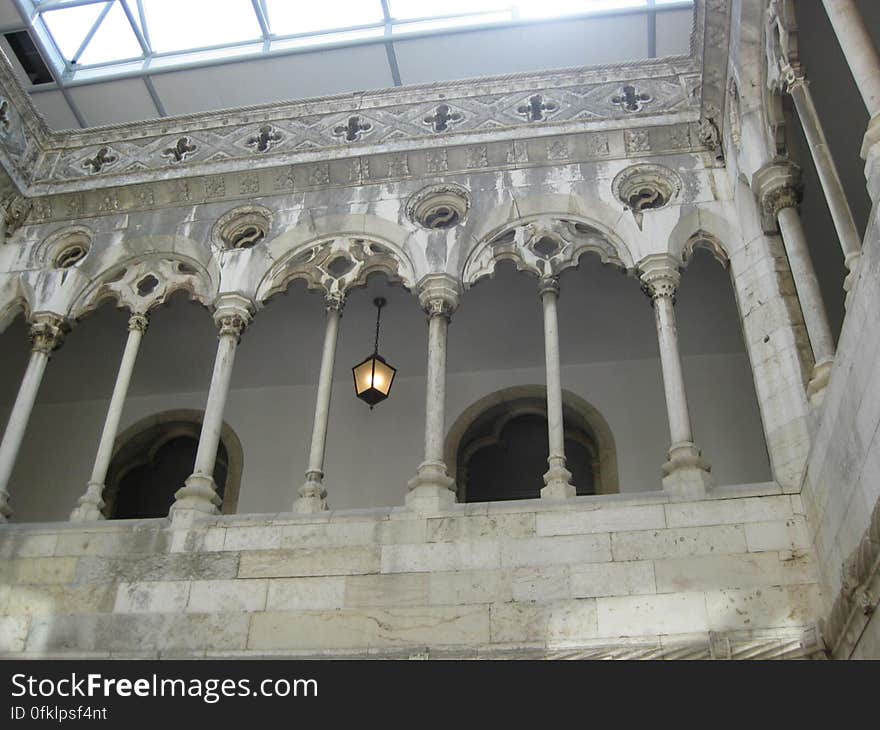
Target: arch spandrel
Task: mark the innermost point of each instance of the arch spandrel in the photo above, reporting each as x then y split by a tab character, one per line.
702	228
12	300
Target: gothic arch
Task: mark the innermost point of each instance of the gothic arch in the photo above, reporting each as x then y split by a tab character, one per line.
544	245
703	229
140	283
337	263
598	427
153	431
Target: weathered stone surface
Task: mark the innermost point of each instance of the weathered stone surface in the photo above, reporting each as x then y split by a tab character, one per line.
556	624
612	579
661	614
682	542
374	627
152	597
790	534
394	590
42	570
728	511
163	567
768	607
718	571
309	561
555	550
545	583
60	599
448	529
469	586
13	633
430	557
226	596
605	519
295	594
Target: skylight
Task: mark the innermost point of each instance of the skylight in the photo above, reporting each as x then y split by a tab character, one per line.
95	38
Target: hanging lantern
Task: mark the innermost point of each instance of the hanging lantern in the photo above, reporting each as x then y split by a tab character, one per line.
373	376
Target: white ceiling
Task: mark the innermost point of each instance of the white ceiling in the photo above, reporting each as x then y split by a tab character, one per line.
604	39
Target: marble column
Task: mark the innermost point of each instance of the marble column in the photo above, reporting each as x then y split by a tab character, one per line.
46	334
838	205
92	502
859	49
777	185
432	490
198	495
313	494
685	473
557	480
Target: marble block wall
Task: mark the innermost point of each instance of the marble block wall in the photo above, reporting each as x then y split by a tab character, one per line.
624	576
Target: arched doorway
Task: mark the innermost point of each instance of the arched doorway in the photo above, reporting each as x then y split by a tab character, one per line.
497	449
154	457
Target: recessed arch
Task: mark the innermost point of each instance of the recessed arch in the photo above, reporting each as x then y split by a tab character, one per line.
139	443
522	400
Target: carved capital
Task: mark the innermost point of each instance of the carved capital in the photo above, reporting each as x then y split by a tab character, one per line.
548	285
439	295
334	301
138	323
232	314
778	186
659	274
47	332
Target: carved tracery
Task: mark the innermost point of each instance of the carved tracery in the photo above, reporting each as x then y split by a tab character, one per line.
336	265
544	246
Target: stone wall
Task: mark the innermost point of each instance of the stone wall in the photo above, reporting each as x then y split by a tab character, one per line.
731	576
842	487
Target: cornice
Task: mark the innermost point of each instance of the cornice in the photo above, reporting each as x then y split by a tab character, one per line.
390	167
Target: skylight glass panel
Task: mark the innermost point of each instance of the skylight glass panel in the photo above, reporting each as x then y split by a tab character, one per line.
113	41
177	25
294	18
427	26
534	9
418	9
70	26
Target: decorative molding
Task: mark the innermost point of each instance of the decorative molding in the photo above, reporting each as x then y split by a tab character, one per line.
439	206
419	164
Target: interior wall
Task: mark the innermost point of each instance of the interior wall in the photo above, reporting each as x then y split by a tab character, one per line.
372	454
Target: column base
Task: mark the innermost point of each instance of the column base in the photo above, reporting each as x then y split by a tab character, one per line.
818	383
686	474
312	495
89	507
557	482
430	490
197	498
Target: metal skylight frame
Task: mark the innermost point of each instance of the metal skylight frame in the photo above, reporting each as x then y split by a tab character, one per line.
387	31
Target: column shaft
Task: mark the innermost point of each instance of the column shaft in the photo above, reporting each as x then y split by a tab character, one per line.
841	215
807	285
17	425
312	494
199	492
673	375
685	473
557	480
859	49
431	489
92	502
